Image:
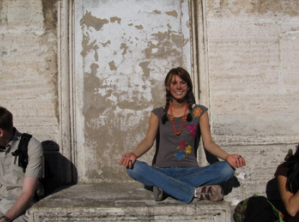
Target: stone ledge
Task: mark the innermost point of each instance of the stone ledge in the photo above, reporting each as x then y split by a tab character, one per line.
122	202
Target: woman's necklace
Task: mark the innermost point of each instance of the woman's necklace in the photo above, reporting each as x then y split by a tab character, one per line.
171	117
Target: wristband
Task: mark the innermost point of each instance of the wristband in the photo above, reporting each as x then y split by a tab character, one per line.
5	218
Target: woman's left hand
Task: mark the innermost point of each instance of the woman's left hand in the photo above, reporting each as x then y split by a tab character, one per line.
236	160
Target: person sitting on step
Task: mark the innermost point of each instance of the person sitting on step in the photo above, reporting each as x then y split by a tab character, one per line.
175	171
17	187
287	175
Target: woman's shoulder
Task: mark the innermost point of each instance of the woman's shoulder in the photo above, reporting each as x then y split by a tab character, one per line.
199	109
195	106
282	170
158	111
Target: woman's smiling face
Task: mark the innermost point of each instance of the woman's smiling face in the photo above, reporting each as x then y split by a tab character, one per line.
178	88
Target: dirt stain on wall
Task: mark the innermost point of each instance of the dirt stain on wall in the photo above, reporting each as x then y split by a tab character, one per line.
144	66
112	65
164	46
124	47
88	46
172	13
50	13
115	19
91	21
139	26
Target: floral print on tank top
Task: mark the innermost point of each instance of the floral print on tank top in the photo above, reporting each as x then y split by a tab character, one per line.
183	147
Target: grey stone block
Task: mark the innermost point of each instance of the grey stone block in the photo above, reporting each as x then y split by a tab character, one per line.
122	202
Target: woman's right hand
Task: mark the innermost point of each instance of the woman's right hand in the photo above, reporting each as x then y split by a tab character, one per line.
128	160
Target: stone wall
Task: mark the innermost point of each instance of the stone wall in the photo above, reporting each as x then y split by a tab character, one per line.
124	51
29	75
244	55
28	57
252	75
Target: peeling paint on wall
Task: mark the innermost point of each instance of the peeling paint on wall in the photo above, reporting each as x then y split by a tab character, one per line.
126	53
115	19
139	26
146	70
172	13
92	21
112	65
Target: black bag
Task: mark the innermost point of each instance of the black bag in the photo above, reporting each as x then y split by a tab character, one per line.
256	209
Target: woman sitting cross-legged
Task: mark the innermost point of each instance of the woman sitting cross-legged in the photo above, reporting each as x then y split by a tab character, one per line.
176	171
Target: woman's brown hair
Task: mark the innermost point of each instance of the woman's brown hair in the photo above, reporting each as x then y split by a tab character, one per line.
184	75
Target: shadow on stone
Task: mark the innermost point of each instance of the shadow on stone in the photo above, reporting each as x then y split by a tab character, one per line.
60	173
228	185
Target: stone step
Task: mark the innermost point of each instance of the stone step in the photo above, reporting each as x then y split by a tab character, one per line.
122	202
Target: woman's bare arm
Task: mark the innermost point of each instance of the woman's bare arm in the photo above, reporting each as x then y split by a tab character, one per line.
233	159
128	159
290	200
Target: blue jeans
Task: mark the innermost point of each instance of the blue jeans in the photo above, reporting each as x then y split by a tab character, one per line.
180	182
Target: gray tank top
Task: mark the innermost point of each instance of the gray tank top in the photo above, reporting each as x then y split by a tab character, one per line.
178	151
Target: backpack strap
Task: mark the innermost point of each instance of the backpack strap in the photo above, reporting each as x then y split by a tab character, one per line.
22	151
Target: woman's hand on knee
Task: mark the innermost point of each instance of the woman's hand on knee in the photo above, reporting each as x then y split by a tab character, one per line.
236	160
128	160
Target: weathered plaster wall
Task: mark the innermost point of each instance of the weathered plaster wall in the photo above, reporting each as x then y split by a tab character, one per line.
124	50
253	68
252	53
28	66
121	57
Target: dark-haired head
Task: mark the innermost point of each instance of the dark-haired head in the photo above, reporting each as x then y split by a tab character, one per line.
180	72
293	174
6	119
189	98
